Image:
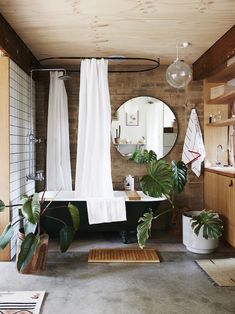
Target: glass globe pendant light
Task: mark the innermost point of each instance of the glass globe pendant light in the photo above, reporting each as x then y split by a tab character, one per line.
179	73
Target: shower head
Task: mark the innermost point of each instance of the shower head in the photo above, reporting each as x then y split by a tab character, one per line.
65	77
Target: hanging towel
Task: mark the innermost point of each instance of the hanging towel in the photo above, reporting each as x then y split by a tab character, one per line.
102	210
194	150
231	140
231	134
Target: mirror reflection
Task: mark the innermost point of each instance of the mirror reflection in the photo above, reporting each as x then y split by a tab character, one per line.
144	123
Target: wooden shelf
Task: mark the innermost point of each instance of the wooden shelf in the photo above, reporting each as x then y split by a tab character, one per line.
221	123
224	99
224	75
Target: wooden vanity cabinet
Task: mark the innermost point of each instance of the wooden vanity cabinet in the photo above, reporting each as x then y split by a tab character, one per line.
219	196
219	187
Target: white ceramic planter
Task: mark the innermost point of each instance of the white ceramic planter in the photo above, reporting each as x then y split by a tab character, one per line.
194	243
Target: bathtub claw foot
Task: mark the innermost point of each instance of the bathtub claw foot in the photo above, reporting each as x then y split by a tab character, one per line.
128	236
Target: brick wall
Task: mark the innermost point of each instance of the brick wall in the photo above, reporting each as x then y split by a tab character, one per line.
124	86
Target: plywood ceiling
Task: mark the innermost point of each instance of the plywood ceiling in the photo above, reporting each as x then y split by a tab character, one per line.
134	28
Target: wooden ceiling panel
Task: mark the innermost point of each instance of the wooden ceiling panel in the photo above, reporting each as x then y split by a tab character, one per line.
135	28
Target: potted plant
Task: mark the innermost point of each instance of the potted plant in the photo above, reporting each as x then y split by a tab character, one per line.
162	179
201	231
34	241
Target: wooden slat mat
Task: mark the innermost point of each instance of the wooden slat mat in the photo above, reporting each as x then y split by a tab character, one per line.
123	256
222	271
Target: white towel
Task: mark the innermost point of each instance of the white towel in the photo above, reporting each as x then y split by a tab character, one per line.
194	150
231	145
102	210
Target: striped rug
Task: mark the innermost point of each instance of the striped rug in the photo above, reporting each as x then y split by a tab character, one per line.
221	271
21	302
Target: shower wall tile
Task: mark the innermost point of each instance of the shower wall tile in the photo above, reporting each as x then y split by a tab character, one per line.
22	119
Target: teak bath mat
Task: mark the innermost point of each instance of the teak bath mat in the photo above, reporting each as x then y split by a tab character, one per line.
21	302
221	271
123	256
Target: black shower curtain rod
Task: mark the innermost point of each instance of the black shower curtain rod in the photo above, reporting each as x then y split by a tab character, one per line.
155	61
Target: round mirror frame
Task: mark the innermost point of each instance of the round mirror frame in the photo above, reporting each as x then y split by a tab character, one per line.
128	145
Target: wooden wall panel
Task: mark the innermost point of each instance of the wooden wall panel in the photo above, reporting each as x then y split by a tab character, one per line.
15	47
222	50
4	144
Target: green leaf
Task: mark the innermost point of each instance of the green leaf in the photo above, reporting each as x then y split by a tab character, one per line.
31	208
26	209
25	198
6	236
66	237
36	207
29	227
149	156
27	250
74	212
158	181
144	228
145	156
211	224
2	206
179	175
137	156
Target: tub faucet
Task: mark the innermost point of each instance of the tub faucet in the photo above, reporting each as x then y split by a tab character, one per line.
35	177
218	154
33	139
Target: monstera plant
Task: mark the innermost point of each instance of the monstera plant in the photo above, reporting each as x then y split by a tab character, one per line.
31	212
143	156
162	179
210	224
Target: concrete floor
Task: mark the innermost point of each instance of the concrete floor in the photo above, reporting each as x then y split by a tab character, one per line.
176	285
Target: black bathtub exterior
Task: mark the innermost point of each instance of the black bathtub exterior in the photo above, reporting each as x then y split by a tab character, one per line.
134	210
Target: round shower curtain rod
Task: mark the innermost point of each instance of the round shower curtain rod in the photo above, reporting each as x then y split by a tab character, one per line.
156	62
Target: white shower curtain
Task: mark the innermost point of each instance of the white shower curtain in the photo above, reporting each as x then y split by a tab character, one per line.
154	127
93	169
58	151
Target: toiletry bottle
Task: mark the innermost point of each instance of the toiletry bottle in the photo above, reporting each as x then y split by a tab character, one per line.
210	118
132	185
218	116
127	183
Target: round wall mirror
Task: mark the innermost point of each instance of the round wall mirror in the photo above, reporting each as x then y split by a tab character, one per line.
144	123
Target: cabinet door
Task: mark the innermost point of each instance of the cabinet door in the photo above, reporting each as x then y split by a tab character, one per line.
230	232
222	196
219	196
210	191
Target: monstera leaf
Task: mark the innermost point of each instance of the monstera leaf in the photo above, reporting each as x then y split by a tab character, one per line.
158	181
212	226
144	228
179	176
149	156
141	157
